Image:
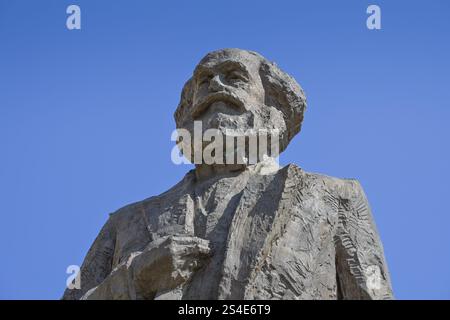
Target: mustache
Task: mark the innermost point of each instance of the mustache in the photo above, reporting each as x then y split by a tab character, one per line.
223	96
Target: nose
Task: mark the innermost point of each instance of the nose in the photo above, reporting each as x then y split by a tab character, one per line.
215	84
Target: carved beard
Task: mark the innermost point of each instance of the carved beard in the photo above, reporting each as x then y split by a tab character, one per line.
225	117
232	124
220	116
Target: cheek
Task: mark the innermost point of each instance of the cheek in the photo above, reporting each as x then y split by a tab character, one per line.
255	93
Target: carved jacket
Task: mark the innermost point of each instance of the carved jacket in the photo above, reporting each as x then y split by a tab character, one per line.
285	235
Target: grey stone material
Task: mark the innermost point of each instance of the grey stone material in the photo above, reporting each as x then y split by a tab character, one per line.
241	231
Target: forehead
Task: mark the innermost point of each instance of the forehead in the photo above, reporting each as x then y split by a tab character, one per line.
229	60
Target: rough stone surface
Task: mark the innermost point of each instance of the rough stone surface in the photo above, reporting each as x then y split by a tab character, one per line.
241	232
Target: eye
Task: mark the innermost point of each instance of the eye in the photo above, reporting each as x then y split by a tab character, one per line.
236	76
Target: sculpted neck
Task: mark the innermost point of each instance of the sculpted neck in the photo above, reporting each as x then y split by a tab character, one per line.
265	167
204	171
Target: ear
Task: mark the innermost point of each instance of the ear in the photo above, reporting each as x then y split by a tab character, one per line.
285	94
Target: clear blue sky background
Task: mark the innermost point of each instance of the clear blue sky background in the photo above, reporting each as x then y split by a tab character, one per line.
86	118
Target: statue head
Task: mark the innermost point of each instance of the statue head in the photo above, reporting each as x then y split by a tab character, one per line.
240	89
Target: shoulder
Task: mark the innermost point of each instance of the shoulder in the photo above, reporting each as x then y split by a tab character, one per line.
343	188
133	210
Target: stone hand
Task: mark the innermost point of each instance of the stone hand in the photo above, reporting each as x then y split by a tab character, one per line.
165	264
169	264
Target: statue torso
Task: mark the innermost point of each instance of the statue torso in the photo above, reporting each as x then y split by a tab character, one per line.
272	235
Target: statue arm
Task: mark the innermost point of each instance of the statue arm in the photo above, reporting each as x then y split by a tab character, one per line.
360	264
97	264
157	272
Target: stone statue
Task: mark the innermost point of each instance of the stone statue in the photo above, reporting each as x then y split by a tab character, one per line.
241	230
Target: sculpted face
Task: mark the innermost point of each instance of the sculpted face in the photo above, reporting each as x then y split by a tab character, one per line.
239	90
227	90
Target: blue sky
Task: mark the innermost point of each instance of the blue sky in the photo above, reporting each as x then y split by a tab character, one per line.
86	118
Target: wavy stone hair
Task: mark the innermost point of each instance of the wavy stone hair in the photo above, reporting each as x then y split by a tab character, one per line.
281	92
